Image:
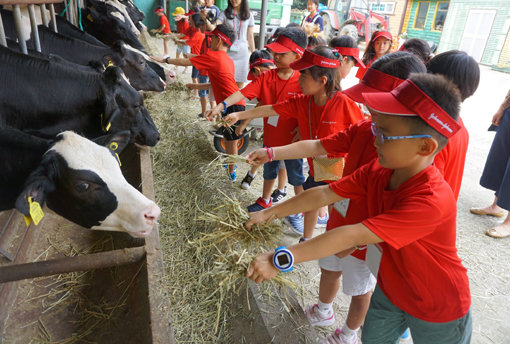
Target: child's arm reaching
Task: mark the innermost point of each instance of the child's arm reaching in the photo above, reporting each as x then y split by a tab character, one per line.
198	86
309	200
258	112
234	98
177	62
297	150
331	242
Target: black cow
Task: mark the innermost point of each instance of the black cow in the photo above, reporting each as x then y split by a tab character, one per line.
100	23
134	12
45	98
135	67
77	178
67	29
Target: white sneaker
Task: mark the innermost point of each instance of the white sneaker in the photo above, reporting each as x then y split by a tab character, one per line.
317	319
339	338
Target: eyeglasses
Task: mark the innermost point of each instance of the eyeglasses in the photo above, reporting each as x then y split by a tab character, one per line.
378	134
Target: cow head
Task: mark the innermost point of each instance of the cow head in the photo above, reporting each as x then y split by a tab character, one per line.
140	75
164	72
124	109
82	181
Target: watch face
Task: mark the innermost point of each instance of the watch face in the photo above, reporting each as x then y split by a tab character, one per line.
283	259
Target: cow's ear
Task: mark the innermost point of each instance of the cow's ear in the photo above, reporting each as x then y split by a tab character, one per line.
115	142
119	47
39	183
112	75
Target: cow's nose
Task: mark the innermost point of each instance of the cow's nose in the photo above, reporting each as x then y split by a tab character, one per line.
152	214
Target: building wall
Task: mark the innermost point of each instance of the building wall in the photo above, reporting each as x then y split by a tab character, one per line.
456	22
427	33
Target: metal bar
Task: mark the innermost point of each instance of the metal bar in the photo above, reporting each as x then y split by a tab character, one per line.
19	29
53	18
262	30
70	10
45	21
33	23
3	40
28	2
93	261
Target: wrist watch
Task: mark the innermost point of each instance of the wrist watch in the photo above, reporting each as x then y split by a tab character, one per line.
224	107
283	259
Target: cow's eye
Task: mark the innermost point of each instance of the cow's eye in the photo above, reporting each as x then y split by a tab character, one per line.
82	187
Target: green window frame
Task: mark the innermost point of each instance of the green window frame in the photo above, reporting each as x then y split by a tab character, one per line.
440	16
420	17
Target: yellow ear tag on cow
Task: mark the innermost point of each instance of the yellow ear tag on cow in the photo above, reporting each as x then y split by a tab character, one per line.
108	126
114	146
118	159
36	213
110	63
89	17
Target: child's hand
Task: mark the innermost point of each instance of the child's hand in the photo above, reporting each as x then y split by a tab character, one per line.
262	268
154	30
256	218
230	119
213	113
258	157
497	117
240	128
296	135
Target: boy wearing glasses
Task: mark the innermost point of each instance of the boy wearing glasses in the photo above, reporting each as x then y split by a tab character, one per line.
421	283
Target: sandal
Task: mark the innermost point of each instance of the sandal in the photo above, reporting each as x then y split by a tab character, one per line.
481	211
492	232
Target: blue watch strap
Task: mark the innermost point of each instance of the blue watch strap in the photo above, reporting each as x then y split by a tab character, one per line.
224	106
283	259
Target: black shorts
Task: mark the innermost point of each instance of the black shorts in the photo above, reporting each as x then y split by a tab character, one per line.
311	183
230	133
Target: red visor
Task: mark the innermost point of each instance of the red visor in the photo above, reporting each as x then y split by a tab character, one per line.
158	10
384	34
260	61
409	100
284	44
402	48
353	52
220	35
310	59
190	13
373	81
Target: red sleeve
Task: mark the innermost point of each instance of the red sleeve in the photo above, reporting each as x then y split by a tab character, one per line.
291	107
339	142
253	89
202	62
354	185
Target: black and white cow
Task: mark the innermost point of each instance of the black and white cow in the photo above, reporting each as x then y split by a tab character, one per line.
77	178
134	12
45	98
97	19
66	28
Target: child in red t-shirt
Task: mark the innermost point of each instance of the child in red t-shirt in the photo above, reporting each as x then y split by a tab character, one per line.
358	142
411	215
164	28
220	68
181	20
379	45
319	111
273	87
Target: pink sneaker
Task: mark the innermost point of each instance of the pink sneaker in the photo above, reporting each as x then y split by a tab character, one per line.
316	318
339	338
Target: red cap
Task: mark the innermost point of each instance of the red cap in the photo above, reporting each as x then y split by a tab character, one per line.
409	100
310	59
353	52
384	34
221	36
190	13
402	48
284	44
256	63
158	10
373	81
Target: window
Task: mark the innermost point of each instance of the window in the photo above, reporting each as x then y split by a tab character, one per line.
382	7
421	15
439	18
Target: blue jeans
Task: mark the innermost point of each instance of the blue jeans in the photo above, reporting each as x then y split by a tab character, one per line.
294	171
203	79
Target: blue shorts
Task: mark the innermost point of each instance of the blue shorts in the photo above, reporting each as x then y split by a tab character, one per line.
203	79
194	73
183	49
311	183
294	171
385	323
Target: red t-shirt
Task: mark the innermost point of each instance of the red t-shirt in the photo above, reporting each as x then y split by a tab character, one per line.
163	20
182	27
269	88
358	142
203	50
450	160
220	68
338	114
420	271
195	39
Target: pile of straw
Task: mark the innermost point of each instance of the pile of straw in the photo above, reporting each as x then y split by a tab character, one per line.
205	244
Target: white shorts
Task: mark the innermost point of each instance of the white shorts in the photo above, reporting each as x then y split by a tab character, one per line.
356	276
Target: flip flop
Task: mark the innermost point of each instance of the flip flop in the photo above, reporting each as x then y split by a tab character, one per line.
492	232
480	211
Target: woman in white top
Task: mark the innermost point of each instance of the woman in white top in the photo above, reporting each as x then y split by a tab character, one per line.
238	16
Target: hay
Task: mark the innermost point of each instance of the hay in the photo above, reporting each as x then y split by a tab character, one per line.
206	246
